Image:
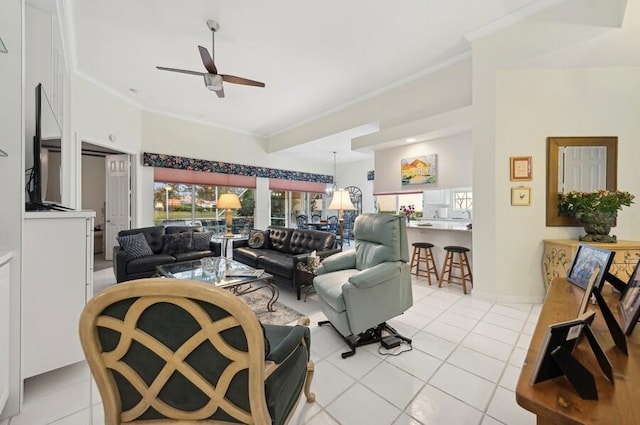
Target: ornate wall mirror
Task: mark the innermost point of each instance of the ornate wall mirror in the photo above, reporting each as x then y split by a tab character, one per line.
578	163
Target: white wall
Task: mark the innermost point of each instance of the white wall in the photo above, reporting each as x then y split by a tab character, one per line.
98	113
440	91
11	176
173	136
38	67
516	109
355	174
454	164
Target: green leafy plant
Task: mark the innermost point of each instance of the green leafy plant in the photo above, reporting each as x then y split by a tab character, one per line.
577	204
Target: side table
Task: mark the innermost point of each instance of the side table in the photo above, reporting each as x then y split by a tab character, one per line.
226	243
308	272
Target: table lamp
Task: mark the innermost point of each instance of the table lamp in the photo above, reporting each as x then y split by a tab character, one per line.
341	201
228	202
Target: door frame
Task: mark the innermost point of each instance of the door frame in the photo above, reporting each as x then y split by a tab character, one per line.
119	150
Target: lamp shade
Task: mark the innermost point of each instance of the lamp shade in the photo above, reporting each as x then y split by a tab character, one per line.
228	201
341	201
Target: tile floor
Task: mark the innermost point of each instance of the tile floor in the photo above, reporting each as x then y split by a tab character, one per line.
463	369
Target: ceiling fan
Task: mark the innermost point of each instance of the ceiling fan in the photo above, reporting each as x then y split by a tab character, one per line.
213	80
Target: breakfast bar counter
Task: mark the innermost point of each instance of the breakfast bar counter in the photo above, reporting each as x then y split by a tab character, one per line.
440	233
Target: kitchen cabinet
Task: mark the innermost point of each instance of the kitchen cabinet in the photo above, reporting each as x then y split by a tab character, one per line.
437	197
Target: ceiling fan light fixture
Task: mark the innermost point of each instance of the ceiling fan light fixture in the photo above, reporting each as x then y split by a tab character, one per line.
213	82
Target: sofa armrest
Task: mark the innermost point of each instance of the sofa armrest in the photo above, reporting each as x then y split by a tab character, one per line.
340	261
302	258
119	264
239	243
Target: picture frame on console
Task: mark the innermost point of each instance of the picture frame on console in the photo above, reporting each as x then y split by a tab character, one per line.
629	304
588	291
585	262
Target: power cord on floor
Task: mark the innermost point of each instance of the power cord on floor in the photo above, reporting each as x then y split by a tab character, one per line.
390	353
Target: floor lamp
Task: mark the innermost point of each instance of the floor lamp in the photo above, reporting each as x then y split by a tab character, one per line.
341	201
228	202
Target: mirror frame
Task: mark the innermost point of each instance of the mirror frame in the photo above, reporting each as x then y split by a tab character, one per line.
553	148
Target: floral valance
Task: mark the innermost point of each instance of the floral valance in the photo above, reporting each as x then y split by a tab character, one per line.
184	163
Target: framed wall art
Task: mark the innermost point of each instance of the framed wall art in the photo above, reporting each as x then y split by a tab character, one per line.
520	196
520	168
419	170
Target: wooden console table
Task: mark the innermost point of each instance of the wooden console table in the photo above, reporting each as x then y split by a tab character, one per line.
555	401
558	254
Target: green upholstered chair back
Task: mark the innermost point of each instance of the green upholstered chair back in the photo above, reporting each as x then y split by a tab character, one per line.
380	238
165	351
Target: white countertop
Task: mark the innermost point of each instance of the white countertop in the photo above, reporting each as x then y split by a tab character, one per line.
450	225
60	214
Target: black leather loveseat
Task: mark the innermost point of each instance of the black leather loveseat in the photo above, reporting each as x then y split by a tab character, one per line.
281	250
167	245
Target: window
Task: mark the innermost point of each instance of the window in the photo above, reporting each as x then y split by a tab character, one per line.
287	205
462	200
195	205
390	204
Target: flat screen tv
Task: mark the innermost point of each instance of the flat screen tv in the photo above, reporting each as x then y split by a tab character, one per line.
43	187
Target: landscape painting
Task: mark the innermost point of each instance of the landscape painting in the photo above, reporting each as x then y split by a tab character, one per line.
419	170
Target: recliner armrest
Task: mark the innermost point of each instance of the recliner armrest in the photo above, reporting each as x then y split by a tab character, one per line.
373	276
340	261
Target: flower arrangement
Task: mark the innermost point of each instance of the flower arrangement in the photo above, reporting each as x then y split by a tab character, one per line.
577	204
408	210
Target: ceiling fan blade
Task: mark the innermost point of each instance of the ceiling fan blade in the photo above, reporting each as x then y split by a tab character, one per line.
220	92
207	61
239	80
183	71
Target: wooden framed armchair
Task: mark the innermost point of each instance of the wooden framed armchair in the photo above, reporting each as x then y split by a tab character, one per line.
186	352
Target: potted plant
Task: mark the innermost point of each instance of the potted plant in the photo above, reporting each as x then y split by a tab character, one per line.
596	211
407	211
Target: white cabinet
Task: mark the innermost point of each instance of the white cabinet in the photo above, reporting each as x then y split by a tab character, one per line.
4	328
437	197
57	270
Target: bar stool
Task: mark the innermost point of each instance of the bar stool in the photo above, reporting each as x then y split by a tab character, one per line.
422	255
461	263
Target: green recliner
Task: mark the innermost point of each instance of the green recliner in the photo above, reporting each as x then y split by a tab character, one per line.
360	289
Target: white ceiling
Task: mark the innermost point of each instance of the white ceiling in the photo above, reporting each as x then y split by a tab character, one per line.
313	56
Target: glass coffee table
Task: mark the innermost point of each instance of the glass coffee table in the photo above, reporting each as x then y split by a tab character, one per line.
239	278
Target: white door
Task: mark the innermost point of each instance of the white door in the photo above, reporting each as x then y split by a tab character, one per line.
585	168
118	202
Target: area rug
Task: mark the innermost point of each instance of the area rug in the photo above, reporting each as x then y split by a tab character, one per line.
282	315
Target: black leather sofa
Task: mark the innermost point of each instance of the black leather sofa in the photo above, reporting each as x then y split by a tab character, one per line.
143	267
283	249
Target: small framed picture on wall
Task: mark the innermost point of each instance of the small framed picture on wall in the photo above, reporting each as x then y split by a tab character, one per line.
521	196
520	168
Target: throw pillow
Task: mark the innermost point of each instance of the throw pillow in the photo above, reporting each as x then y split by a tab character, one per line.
135	246
257	239
201	240
175	243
